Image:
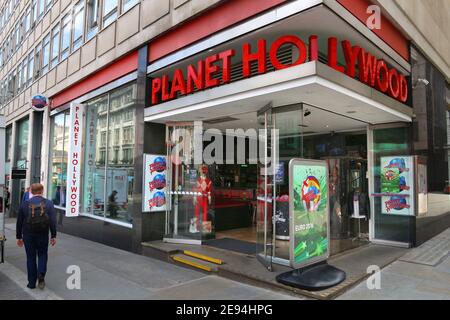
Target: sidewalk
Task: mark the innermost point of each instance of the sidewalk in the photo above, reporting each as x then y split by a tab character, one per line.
422	273
109	273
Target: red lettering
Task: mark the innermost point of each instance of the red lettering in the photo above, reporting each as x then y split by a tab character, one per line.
350	54
226	64
332	55
165	88
382	76
313	48
394	84
403	88
367	66
210	70
195	77
259	56
156	88
178	84
297	42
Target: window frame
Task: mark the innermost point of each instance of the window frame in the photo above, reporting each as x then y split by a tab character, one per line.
55	60
78	11
66	22
45	67
109	17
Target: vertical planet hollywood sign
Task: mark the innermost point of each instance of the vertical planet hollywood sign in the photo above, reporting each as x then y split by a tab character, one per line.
74	160
372	71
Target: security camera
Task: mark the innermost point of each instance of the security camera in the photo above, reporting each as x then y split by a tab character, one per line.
307	113
423	81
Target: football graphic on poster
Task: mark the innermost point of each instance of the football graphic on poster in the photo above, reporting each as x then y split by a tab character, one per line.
311	193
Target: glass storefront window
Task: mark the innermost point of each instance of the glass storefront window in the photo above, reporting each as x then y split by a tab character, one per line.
389	142
22	143
109	155
59	138
8	136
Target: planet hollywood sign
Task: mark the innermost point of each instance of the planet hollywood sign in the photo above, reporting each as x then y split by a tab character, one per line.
371	71
74	160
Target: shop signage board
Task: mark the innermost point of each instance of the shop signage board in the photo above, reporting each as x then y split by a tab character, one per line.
18	174
74	160
39	102
397	185
155	187
308	212
215	69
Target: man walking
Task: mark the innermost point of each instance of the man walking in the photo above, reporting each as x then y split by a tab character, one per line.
36	218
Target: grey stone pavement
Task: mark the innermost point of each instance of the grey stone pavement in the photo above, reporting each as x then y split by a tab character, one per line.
421	274
109	273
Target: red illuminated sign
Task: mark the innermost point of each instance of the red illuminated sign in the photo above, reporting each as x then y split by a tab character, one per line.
371	71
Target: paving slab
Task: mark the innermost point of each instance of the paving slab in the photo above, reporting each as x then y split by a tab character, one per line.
247	268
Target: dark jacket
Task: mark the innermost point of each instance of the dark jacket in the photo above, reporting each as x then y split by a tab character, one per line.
22	227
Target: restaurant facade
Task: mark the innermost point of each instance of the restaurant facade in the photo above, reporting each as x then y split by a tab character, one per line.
189	138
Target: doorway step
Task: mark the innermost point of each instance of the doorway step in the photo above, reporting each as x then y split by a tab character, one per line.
196	260
247	269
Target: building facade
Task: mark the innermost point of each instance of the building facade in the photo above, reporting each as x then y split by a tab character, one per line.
337	90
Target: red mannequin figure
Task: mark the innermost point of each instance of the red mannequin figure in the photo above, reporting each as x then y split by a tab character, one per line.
204	187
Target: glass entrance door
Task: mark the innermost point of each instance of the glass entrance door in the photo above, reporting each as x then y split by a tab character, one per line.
189	215
281	135
264	189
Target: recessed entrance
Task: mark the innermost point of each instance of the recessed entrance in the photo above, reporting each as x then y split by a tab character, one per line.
236	200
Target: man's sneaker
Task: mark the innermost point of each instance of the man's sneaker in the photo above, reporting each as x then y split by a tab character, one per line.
30	286
41	283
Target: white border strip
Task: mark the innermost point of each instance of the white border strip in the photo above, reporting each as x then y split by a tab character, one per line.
112	221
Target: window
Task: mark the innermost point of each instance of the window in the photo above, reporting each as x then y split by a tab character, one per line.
59	139
22	144
92	16
19	78
24	73
128	4
55	47
30	68
45	54
78	25
34	12
37	62
65	37
27	22
108	182
48	4
109	11
41	8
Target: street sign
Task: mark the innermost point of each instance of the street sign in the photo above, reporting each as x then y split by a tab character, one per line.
18	174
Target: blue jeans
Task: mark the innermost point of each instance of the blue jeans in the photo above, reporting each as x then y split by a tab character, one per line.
36	246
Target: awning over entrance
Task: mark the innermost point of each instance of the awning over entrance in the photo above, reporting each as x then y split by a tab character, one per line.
313	83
